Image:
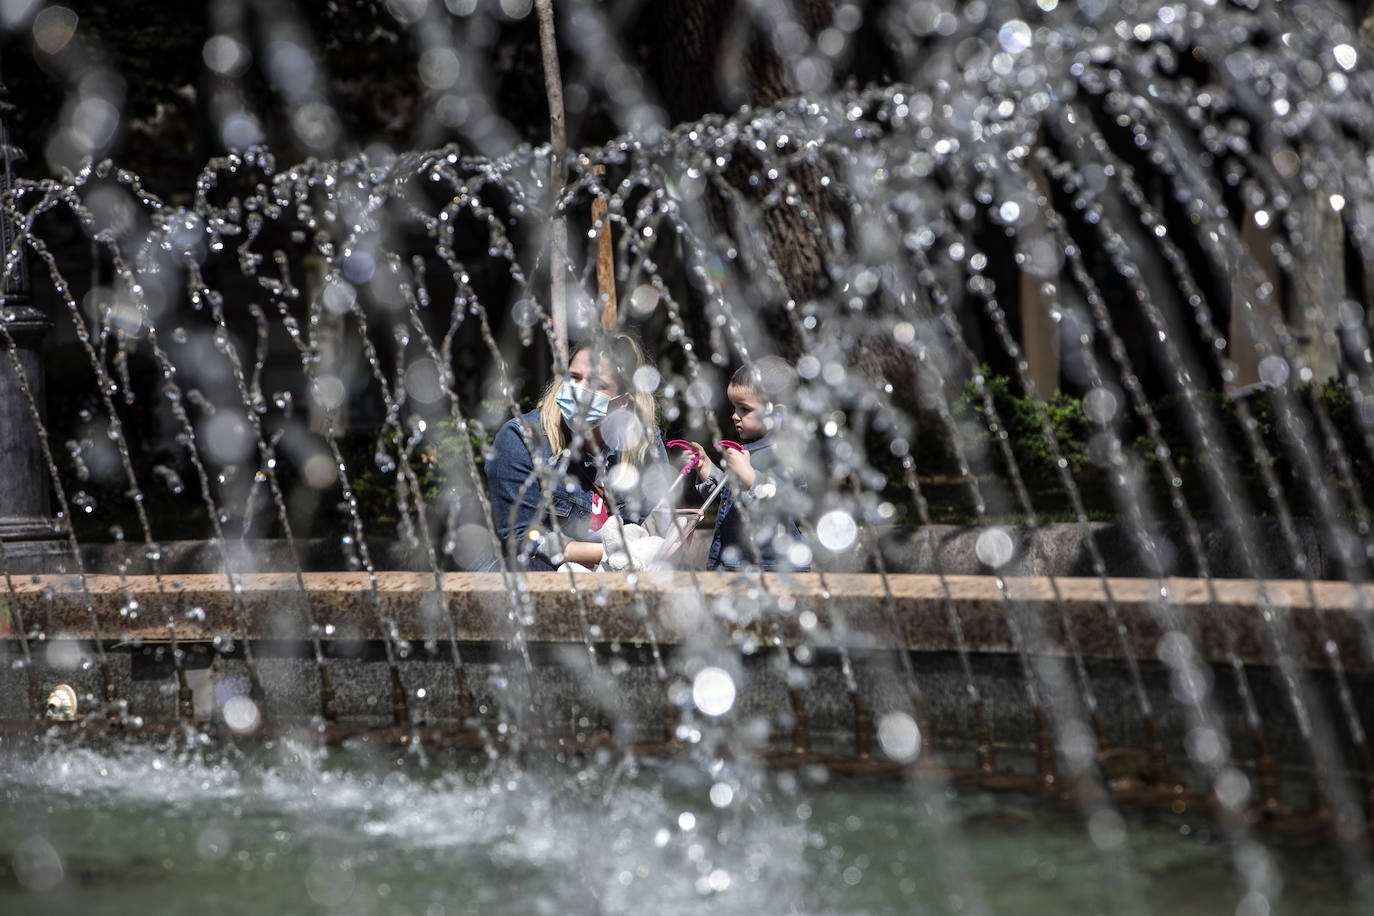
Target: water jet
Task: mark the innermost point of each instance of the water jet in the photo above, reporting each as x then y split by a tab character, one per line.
1076	299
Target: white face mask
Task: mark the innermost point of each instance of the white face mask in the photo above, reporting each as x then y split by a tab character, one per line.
575	399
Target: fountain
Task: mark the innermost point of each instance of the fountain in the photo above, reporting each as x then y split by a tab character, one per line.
1076	297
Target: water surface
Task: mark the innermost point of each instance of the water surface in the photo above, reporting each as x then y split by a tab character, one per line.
288	828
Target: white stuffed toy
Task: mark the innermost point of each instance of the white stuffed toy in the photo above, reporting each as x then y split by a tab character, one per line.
644	553
628	546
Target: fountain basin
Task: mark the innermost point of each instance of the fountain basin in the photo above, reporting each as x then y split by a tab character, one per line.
856	611
614	659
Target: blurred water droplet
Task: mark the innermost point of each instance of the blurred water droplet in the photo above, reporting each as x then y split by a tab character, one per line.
837	530
1014	36
899	737
526	313
1100	405
994	547
713	691
241	714
1273	370
37	864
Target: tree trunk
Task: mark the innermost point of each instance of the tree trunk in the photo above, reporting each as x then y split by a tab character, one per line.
558	142
712	58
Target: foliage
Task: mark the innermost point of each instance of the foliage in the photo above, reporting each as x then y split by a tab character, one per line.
1265	441
436	458
1023	420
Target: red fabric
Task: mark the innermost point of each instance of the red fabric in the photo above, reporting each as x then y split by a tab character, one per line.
599	513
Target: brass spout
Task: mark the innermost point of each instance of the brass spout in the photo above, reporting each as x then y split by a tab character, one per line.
670	713
863	728
256	693
1160	768
61	705
467	705
1099	732
1044	748
923	723
38	707
1267	768
400	711
108	684
986	760
670	723
186	700
1319	804
327	708
1124	768
801	727
1367	777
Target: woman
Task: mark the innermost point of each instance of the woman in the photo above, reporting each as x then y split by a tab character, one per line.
589	451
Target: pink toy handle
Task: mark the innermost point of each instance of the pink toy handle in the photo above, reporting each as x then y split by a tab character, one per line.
692	462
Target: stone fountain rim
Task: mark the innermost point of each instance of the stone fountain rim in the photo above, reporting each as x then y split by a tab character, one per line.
854	611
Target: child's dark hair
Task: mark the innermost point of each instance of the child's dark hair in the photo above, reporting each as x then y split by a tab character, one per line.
770	377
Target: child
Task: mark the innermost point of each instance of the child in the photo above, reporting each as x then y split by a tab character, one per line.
756	519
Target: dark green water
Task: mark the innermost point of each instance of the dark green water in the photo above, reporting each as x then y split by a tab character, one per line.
289	829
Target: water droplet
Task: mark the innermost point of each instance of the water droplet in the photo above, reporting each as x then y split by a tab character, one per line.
1100	405
1107	829
241	714
647	379
526	313
1273	370
899	737
644	300
994	547
170	477
213	843
837	530
1014	36
713	691
37	864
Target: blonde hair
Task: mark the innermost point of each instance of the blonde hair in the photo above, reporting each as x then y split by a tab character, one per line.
625	357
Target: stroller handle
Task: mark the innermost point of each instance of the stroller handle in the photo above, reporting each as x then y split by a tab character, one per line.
691	462
677	538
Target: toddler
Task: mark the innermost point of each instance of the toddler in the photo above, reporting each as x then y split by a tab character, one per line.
756	521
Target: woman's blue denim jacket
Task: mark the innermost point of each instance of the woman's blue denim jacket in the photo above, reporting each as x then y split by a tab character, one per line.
768	513
513	485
